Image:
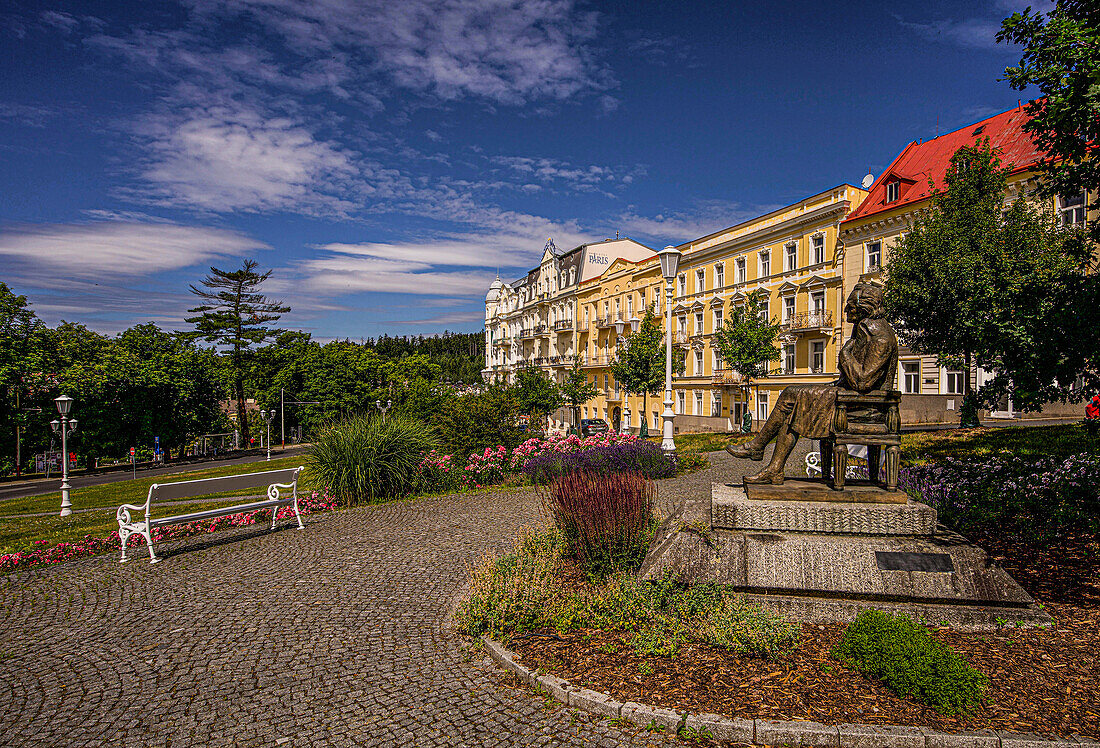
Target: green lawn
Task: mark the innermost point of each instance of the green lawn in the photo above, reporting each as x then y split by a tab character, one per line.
20	533
1023	441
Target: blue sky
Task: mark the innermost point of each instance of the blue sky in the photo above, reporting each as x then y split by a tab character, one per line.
386	158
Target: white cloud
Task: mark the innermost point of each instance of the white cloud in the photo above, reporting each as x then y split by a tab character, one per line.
224	159
977	32
683	225
113	250
505	51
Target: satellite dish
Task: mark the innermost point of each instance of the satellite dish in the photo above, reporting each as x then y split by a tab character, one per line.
868	181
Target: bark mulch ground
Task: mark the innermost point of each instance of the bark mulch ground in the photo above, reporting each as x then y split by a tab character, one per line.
1040	680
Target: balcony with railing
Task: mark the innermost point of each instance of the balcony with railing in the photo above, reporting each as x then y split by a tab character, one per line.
567	359
563	325
527	332
727	377
612	394
605	322
597	359
541	330
809	321
681	337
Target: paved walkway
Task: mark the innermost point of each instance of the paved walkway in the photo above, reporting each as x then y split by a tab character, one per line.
337	635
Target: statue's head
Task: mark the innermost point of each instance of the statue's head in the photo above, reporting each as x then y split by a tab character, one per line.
866	301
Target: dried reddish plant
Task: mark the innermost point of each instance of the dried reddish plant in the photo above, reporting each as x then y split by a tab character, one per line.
606	519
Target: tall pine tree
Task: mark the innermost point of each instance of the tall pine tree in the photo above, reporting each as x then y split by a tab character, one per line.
235	314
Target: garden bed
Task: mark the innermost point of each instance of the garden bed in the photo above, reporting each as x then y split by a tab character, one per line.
1042	680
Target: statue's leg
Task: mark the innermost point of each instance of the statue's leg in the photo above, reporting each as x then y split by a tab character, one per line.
784	445
754	448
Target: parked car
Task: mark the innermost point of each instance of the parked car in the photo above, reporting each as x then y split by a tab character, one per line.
590	426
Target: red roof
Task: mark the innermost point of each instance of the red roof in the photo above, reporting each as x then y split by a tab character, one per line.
919	161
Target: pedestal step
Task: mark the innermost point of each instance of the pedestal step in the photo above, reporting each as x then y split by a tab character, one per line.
731	509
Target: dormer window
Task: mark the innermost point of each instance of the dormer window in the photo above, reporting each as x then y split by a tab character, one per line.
893	191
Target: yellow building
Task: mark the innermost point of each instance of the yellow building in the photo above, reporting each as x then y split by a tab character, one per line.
788	257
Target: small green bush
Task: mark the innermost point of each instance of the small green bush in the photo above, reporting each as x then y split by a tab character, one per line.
749	629
910	662
365	459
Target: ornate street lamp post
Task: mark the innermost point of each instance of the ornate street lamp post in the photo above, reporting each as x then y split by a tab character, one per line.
268	416
388	405
670	264
64	426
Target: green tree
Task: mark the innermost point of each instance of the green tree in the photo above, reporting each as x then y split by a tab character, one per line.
536	394
747	341
639	364
577	390
22	336
974	284
1061	57
486	419
235	314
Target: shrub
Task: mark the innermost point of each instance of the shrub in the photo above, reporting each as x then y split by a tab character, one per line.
367	459
1034	498
606	519
749	629
628	456
910	662
523	591
473	422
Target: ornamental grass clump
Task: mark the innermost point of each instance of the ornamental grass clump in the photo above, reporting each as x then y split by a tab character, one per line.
366	459
606	519
910	662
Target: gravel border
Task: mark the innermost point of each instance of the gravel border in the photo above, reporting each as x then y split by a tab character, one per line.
764	732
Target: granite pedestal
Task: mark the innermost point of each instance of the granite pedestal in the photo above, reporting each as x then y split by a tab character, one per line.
825	561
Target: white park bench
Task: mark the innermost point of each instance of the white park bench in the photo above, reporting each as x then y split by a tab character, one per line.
274	480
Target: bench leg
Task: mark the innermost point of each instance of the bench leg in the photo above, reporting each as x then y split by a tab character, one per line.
825	449
893	457
124	536
840	465
297	514
873	452
274	516
149	542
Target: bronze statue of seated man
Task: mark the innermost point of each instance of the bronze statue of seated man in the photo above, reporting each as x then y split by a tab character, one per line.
868	361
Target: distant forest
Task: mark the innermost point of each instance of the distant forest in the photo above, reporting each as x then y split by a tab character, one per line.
461	355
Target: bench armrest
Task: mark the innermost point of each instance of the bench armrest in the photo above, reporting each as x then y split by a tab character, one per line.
123	513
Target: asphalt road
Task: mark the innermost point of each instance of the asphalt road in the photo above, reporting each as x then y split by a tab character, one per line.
39	486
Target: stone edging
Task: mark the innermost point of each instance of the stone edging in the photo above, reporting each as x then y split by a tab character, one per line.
763	732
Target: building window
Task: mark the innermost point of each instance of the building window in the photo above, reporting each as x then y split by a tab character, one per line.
698	323
682	282
910	372
954	382
629	306
874	256
893	191
698	402
817	303
698	363
818	247
719	276
788	309
586	316
788	358
741	273
791	257
700	280
618	309
716	361
656	420
765	312
680	398
765	264
718	320
1071	210
762	406
817	356
715	404
682	323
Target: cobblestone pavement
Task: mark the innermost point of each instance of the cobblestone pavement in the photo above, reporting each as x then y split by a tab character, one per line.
336	635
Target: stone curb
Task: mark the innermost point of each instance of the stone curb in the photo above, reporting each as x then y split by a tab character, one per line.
765	732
